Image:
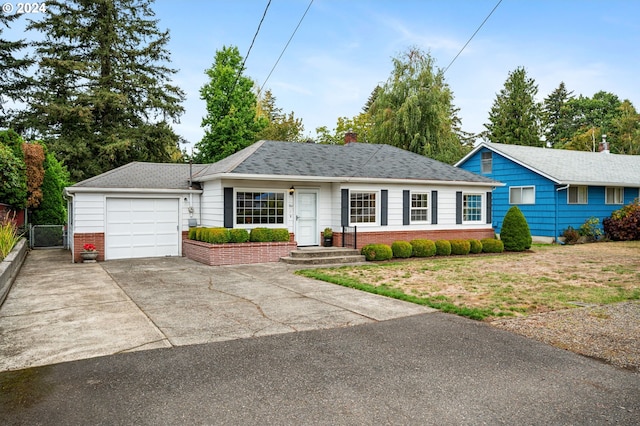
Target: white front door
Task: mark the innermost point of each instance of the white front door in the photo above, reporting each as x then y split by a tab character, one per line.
307	217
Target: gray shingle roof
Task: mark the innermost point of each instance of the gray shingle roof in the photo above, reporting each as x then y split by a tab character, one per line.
575	167
143	175
362	160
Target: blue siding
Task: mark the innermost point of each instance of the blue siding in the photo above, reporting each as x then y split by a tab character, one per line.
551	214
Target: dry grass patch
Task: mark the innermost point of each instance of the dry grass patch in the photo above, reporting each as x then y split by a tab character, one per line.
548	278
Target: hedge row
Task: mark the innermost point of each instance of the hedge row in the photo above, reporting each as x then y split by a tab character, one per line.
238	235
428	248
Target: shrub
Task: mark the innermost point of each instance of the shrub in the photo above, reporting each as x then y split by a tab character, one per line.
238	235
377	252
570	235
624	223
491	245
217	235
260	235
515	233
8	235
280	235
475	246
423	248
460	247
590	229
443	248
266	235
192	233
401	249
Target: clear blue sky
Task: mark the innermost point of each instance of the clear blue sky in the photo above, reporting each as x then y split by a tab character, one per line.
343	49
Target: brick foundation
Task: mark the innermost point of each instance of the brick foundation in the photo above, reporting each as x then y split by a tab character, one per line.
236	253
388	237
79	240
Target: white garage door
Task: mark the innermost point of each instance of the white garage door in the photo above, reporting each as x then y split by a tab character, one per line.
142	228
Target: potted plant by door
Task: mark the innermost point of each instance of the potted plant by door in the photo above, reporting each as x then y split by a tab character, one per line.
328	237
89	253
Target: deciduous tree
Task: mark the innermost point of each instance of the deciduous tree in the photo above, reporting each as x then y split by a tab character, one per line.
280	126
231	123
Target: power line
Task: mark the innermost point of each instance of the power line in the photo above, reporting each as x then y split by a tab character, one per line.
474	34
285	47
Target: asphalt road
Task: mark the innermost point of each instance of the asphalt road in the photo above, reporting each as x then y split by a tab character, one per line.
430	369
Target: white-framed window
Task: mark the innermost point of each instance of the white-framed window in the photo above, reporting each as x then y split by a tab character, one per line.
577	195
472	207
363	207
260	207
419	207
614	195
522	195
486	162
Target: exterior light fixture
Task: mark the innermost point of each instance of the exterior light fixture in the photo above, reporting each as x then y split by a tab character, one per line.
292	190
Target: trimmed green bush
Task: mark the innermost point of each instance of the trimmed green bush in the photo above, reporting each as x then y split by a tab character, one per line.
238	235
260	235
217	235
475	246
443	248
515	233
423	248
377	252
280	235
460	247
192	233
401	249
491	245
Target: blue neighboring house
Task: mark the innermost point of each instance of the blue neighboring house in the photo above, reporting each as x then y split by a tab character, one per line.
555	188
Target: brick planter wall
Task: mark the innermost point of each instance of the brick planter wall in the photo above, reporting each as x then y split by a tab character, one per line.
389	237
236	253
79	240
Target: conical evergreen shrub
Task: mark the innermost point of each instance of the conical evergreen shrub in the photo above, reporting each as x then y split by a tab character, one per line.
515	233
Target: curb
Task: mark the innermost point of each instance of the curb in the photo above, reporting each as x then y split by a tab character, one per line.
10	267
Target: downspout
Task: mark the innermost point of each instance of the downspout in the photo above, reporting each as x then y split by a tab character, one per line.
70	222
555	226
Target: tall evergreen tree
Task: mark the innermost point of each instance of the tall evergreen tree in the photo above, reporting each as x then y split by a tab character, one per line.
14	84
231	123
414	109
103	96
280	127
515	115
556	120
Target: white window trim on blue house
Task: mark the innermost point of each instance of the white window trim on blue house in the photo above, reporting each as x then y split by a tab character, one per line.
614	195
578	195
522	194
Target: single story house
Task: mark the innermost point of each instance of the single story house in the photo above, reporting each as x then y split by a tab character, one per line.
146	209
555	188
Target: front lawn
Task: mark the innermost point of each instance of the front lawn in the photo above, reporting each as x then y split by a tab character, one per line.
548	278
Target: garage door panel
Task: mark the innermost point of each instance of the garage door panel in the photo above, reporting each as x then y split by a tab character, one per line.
142	228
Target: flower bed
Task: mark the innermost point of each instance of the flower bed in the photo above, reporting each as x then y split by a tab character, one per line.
236	253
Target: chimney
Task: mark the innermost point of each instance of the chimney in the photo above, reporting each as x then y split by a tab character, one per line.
350	137
604	146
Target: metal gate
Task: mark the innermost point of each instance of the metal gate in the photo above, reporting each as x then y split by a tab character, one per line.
47	236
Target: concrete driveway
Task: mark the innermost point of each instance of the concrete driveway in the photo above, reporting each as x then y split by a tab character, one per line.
58	311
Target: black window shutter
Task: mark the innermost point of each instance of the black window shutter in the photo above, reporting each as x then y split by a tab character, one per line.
345	207
228	207
489	207
406	207
459	207
384	207
434	207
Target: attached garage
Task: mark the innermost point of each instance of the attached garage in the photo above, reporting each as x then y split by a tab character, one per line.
142	227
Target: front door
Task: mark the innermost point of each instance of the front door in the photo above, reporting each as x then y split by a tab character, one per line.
307	217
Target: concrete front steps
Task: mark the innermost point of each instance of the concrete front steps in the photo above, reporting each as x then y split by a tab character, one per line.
323	256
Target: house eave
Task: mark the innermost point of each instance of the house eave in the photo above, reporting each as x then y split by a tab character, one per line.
86	189
345	179
597	183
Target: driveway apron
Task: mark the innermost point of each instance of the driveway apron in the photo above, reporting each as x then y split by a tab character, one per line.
58	311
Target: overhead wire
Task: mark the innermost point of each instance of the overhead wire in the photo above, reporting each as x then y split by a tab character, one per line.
474	34
286	45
